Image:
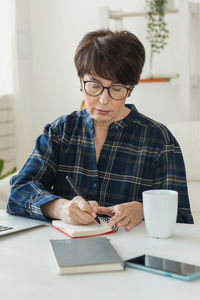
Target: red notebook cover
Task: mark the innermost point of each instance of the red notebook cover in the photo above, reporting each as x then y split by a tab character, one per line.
75	237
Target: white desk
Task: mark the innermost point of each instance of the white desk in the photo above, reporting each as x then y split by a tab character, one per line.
28	271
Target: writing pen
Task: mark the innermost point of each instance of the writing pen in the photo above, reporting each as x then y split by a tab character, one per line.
77	191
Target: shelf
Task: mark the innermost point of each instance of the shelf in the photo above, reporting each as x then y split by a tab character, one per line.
188	43
119	15
158	78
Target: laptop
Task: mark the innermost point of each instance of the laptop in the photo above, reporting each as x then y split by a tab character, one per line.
10	223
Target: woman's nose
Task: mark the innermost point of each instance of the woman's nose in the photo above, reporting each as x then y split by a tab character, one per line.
103	98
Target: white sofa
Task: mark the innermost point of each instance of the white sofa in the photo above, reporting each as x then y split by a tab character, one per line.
188	136
4	191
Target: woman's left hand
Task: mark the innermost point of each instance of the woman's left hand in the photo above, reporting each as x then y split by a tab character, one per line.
127	214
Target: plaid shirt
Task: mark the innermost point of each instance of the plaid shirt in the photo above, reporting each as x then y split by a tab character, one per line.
138	154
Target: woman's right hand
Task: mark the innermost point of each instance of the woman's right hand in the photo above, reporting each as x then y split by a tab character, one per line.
76	211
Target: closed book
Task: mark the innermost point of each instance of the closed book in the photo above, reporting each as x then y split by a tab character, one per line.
87	255
74	231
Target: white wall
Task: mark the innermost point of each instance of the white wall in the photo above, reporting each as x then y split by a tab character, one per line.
57	27
48	81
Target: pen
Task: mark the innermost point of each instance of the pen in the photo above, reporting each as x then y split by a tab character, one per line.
76	190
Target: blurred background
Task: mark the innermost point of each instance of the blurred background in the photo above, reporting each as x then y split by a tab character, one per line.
38	80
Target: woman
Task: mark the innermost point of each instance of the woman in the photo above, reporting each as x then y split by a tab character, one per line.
111	151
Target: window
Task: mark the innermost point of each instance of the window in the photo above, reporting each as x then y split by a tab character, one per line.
6	46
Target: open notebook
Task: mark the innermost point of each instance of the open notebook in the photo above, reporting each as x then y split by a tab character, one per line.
94	229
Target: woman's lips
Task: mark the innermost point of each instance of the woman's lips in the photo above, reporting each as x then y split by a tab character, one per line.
102	112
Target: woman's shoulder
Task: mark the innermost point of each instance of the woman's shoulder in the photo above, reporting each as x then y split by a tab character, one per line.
153	128
68	119
65	124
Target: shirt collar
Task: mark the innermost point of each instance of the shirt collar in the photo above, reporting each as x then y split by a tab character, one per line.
116	125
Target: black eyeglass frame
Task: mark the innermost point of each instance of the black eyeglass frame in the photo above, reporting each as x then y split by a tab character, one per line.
107	88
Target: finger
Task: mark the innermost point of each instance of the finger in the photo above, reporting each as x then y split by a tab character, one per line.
79	211
130	221
115	220
84	217
93	203
82	204
105	210
120	210
79	216
133	223
70	215
122	222
119	214
94	206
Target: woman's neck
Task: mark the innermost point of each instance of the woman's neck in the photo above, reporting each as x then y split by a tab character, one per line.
102	127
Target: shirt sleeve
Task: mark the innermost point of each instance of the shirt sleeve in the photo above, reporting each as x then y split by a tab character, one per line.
170	174
32	186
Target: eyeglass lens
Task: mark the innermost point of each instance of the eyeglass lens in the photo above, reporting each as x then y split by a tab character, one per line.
117	92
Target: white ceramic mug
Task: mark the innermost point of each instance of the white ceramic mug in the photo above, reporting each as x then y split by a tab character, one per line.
160	212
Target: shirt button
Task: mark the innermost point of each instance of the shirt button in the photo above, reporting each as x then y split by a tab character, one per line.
94	185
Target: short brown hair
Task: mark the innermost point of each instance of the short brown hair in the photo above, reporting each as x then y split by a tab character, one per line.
117	56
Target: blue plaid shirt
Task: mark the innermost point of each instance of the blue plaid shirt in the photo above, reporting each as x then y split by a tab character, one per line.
138	154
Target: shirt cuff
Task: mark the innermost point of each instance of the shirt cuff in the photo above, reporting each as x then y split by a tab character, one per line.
184	216
35	204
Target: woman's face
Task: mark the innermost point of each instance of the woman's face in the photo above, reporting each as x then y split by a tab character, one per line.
102	108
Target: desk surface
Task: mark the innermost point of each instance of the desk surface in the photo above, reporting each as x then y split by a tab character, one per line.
28	271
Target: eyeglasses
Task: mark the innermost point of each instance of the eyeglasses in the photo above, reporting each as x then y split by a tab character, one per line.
116	92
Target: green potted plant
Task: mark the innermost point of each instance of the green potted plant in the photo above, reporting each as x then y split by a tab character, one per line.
11	171
157	32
